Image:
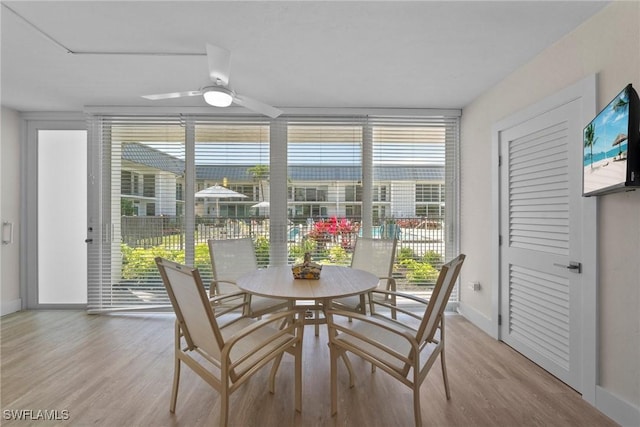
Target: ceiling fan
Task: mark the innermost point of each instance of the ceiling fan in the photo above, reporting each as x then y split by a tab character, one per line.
219	94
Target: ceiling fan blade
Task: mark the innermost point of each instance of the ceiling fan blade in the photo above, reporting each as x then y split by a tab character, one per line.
172	95
257	106
219	60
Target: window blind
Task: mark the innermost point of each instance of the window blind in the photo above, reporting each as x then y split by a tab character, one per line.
136	201
234	154
325	187
415	169
301	183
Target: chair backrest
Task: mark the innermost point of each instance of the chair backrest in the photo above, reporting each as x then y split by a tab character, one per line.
230	259
375	256
191	305
438	301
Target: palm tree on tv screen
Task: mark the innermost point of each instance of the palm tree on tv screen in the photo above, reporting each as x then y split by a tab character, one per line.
589	140
620	104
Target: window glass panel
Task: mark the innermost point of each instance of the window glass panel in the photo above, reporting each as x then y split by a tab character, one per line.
324	169
140	216
409	178
149	205
233	154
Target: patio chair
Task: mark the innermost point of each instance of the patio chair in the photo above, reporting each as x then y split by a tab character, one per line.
375	256
230	259
223	346
404	351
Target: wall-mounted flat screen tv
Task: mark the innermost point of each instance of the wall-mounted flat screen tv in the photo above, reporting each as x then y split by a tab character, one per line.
611	144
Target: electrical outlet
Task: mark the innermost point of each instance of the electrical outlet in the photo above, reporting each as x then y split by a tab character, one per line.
474	286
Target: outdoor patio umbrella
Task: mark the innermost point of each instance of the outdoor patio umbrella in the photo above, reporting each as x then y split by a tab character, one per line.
261	205
219	192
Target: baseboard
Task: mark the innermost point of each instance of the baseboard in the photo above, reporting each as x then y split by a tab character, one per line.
8	307
478	319
620	411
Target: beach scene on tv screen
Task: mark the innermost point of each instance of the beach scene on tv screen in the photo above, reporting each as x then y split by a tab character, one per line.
605	146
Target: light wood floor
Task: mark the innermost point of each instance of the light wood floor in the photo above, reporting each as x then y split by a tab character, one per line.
116	370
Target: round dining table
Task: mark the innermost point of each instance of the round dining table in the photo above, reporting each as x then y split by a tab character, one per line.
334	282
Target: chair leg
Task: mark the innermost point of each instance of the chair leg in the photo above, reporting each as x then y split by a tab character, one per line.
274	371
444	375
317	322
442	361
176	382
394	313
298	376
416	404
224	400
347	363
333	354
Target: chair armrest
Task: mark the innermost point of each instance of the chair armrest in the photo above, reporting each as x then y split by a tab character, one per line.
402	295
390	301
391	283
227	303
396	329
223	297
295	328
218	285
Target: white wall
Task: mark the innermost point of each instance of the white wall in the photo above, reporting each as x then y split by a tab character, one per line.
10	210
607	45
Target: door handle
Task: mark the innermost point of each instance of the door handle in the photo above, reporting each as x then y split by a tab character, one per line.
7	233
89	239
574	266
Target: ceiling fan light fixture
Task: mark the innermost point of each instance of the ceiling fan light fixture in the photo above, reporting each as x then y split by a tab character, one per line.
218	96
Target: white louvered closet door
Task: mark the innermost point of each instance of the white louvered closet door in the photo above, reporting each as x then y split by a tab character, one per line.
541	236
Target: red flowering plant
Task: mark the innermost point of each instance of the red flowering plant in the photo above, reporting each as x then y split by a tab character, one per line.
330	230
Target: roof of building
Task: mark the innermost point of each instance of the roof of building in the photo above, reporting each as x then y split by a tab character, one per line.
144	155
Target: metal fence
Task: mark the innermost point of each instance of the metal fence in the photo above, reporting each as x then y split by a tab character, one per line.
420	252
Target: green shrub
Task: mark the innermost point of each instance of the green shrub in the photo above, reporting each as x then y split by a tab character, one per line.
422	273
297	251
432	257
338	255
419	272
202	258
405	253
262	250
138	264
409	263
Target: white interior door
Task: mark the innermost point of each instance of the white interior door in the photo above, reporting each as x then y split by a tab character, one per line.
541	235
62	217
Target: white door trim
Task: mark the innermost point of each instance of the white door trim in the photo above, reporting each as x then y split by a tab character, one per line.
585	92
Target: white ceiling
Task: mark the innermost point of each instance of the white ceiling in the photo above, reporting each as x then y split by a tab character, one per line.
381	54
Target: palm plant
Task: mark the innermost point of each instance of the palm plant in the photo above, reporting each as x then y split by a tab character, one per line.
620	104
589	141
259	173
